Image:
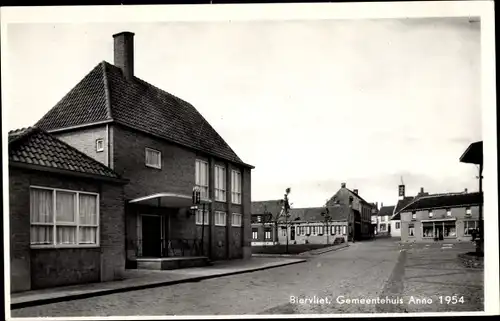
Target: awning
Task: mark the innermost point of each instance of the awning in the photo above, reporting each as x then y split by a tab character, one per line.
166	200
473	154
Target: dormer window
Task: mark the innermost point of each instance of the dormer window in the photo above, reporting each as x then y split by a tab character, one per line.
431	214
99	145
413	215
448	212
468	211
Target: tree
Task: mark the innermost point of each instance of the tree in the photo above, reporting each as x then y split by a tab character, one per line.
327	219
286	213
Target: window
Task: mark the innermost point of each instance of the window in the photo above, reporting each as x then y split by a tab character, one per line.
220	183
220	218
332	230
201	178
468	212
63	218
386	218
430	213
321	230
411	230
413	215
268	234
153	158
99	145
237	219
283	231
339	229
259	219
449	229
382	227
469	226
254	233
344	228
308	230
428	229
235	187
201	218
398	225
448	212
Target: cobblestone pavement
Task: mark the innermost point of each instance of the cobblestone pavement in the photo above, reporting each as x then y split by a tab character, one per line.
372	270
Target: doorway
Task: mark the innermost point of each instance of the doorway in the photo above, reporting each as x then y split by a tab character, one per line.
151	236
439	232
292	233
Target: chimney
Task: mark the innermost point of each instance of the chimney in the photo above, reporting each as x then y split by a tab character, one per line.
401	190
124	53
355	191
465	191
381	204
342	185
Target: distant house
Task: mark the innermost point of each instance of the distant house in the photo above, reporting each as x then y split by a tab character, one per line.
165	148
383	220
66	214
395	222
265	216
360	226
374	217
308	225
447	217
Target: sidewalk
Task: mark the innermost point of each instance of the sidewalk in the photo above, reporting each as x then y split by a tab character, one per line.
143	279
303	255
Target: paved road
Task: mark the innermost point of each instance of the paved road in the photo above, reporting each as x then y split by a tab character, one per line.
372	270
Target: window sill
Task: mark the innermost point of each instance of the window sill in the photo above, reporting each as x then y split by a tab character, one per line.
235	225
153	167
221	225
200	224
69	246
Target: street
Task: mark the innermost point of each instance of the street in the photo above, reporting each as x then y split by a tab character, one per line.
388	278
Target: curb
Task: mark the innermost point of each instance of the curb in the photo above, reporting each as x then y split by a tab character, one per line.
330	249
71	297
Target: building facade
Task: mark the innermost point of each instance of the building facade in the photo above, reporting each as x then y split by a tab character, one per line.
441	218
166	149
361	227
384	227
265	222
66	215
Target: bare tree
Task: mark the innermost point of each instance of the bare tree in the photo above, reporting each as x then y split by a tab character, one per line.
286	214
327	219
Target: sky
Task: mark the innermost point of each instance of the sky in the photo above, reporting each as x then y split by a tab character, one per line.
309	103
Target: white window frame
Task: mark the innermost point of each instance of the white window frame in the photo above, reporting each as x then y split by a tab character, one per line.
198	218
468	211
99	145
233	221
397	225
321	230
431	214
308	230
448	212
220	183
220	218
467	228
77	224
413	215
202	187
146	150
255	234
235	186
344	230
266	233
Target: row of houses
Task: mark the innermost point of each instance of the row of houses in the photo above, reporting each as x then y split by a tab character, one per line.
104	182
345	215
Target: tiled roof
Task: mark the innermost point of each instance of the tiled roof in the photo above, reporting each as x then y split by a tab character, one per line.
106	95
33	146
444	201
402	203
272	206
386	211
313	214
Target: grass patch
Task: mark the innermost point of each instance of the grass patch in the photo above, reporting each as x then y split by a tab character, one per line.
292	248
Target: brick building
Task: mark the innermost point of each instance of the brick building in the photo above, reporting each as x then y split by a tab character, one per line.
440	217
165	148
361	225
66	214
265	221
384	219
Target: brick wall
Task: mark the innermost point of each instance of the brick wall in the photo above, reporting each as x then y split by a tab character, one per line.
85	141
32	269
177	175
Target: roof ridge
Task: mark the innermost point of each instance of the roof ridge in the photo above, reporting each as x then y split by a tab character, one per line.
19	134
106	88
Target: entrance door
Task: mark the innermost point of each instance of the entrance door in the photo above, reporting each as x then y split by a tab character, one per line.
439	231
292	233
151	236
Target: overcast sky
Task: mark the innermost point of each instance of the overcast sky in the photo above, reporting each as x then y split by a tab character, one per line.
310	104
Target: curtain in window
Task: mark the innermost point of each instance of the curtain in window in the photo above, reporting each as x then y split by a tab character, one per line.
41	203
66	234
65	207
449	229
88	216
41	234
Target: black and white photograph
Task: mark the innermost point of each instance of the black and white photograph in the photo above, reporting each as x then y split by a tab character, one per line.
250	160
